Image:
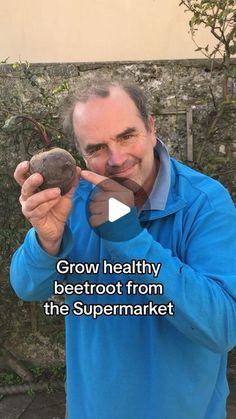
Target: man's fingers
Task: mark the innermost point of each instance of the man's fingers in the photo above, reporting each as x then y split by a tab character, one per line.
21	172
31	185
92	177
104	182
97	220
39	198
41	211
75	183
122	196
98	207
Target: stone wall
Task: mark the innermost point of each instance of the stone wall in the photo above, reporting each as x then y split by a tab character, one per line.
179	91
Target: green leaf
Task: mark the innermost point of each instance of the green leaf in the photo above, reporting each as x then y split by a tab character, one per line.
9	124
232	49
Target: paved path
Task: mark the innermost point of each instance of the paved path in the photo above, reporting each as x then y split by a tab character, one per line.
52	406
232	400
39	406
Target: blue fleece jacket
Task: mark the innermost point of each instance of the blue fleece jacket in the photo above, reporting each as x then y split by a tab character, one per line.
150	366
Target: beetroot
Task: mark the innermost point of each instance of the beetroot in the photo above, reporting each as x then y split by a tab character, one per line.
58	168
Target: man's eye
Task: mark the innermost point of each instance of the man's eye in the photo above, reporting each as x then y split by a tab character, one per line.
95	150
127	136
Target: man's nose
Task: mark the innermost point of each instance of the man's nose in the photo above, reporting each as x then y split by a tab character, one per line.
115	156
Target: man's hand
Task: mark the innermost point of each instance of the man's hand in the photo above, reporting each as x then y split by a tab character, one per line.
46	210
109	189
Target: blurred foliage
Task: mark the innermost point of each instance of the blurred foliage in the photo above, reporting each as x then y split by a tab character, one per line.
216	150
220	18
40	374
29	122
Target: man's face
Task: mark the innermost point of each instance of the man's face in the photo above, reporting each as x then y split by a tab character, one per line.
113	138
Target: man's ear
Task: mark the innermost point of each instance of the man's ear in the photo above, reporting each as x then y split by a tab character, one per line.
86	161
152	129
79	150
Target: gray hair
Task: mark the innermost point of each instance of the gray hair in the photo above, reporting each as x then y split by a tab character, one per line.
101	88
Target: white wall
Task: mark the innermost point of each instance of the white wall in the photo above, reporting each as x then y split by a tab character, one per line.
95	30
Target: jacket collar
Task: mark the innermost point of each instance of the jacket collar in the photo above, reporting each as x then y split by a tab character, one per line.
173	201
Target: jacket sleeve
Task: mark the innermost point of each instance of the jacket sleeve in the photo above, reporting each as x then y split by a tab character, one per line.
201	279
33	271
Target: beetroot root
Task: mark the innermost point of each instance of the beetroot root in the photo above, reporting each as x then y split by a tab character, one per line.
58	168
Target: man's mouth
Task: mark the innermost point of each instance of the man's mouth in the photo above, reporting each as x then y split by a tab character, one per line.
125	171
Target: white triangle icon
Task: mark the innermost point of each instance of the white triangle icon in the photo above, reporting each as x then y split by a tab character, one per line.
116	209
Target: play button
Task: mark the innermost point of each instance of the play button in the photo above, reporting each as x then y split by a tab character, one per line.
116	209
113	208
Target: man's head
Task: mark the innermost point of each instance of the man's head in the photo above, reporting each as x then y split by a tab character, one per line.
114	131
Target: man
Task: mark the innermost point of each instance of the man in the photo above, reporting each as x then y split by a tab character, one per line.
150	366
